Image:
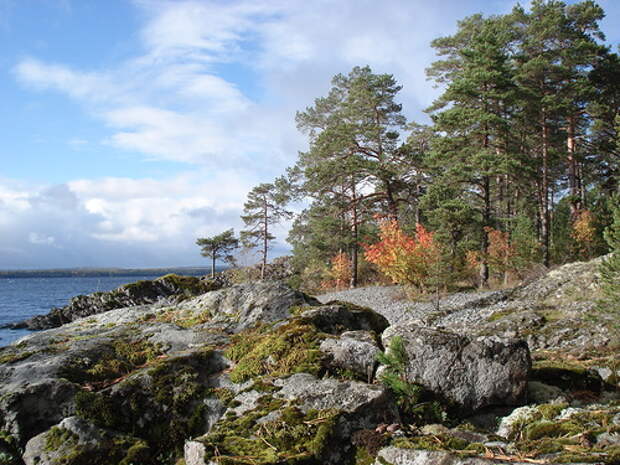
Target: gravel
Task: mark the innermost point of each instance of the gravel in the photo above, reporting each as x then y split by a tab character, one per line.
392	303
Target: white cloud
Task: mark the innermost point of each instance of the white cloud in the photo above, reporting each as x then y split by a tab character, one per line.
38	239
186	98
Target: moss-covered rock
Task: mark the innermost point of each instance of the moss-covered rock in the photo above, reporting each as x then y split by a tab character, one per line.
77	442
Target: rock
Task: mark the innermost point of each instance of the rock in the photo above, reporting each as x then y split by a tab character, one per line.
541	393
170	289
310	418
511	425
243	306
337	317
398	456
471	373
75	441
370	403
355	351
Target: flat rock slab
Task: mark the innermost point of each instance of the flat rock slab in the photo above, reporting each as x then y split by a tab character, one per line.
471	373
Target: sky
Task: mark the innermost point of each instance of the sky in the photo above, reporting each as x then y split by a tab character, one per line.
131	127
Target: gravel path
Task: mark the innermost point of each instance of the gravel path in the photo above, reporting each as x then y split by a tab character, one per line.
391	302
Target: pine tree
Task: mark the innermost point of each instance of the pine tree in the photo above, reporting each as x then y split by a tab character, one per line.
218	247
610	268
265	206
472	114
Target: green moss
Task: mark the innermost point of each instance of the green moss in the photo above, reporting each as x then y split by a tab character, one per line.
499	315
190	285
225	395
550	411
162	405
565	375
58	437
9	355
119	359
288	349
293	437
432	442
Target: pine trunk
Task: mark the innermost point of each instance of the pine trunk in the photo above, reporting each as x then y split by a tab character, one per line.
213	265
573	171
544	213
265	244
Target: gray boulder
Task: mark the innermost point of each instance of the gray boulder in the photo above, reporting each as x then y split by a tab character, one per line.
471	373
398	456
337	317
354	351
245	305
75	441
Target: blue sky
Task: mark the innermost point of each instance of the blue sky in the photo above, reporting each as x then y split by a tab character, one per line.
129	128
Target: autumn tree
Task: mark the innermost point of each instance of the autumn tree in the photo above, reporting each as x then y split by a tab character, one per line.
265	207
218	247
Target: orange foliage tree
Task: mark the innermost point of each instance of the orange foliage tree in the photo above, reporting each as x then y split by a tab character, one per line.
501	254
584	232
402	258
339	272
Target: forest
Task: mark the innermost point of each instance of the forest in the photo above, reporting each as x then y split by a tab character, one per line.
518	171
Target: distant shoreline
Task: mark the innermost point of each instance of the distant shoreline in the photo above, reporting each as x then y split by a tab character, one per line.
105	272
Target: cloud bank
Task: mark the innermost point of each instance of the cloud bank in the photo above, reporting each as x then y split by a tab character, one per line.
215	87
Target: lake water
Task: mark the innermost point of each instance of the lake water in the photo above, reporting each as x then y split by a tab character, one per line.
22	298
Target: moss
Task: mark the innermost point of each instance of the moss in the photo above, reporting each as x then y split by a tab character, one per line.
566	375
294	437
162	405
58	437
288	349
432	442
499	315
9	355
119	359
184	319
550	411
189	285
225	395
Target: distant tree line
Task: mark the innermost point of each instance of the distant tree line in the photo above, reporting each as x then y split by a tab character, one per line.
518	167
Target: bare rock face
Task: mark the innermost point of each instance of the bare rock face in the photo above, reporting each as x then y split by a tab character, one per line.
471	373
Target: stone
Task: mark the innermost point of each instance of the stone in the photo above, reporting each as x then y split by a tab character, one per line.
337	317
74	441
355	351
510	425
243	306
399	456
472	373
541	393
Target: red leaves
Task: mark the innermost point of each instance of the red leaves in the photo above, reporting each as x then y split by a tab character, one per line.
402	258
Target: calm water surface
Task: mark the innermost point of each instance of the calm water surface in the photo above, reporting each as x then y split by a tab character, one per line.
22	298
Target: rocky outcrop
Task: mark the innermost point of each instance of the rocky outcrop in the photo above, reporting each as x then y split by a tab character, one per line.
166	289
75	440
260	373
471	373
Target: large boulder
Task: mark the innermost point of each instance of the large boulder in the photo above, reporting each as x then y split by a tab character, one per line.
470	373
245	305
